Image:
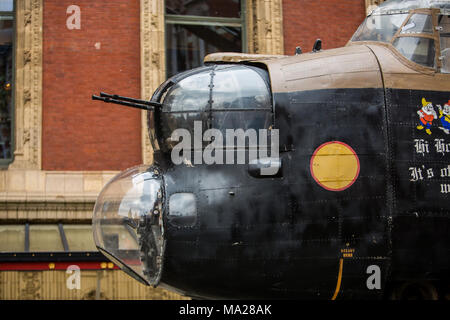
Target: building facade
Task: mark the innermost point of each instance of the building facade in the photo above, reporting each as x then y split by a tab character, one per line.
59	148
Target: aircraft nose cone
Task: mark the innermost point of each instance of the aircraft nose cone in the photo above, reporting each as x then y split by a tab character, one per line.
127	222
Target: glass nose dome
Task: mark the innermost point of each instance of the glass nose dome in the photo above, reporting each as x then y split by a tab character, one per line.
127	222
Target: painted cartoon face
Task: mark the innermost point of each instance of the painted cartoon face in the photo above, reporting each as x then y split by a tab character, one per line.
446	110
428	109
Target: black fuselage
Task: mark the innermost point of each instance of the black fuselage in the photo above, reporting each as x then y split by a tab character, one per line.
283	237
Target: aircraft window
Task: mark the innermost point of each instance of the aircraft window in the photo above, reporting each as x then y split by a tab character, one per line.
122	214
416	49
248	89
379	27
444	23
406	5
184	103
445	54
190	94
237	91
418	23
183	209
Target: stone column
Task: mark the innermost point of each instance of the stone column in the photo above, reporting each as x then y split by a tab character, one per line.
372	4
153	61
265	26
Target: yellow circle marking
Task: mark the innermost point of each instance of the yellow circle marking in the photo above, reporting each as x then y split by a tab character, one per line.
335	166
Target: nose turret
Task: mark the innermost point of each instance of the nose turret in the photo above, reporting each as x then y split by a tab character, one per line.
127	222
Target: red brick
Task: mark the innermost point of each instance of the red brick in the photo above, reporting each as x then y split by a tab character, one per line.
78	133
333	21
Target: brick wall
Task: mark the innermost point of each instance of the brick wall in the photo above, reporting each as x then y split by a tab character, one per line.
333	21
104	55
80	134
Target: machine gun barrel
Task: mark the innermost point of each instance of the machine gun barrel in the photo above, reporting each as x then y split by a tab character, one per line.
128	102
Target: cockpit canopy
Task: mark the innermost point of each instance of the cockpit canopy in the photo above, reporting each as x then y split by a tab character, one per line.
398	6
418	29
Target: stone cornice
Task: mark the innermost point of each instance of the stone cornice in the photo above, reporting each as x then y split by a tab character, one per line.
45	195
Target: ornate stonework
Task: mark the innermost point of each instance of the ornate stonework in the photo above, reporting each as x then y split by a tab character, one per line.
28	85
153	61
102	284
265	26
372	4
49	195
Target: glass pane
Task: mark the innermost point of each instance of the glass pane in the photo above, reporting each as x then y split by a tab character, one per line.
190	94
216	8
237	87
182	104
223	120
444	22
123	213
187	45
119	238
12	238
418	50
80	238
418	23
445	56
6	5
379	28
6	86
182	209
185	120
45	238
394	5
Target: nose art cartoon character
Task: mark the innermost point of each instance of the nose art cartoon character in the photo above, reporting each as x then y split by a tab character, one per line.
444	116
426	116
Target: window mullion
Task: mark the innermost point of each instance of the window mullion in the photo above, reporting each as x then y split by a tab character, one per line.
200	20
27	238
63	237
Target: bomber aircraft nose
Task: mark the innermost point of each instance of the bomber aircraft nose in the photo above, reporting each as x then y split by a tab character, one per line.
127	222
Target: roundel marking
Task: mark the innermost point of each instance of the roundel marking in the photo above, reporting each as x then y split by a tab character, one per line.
335	166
